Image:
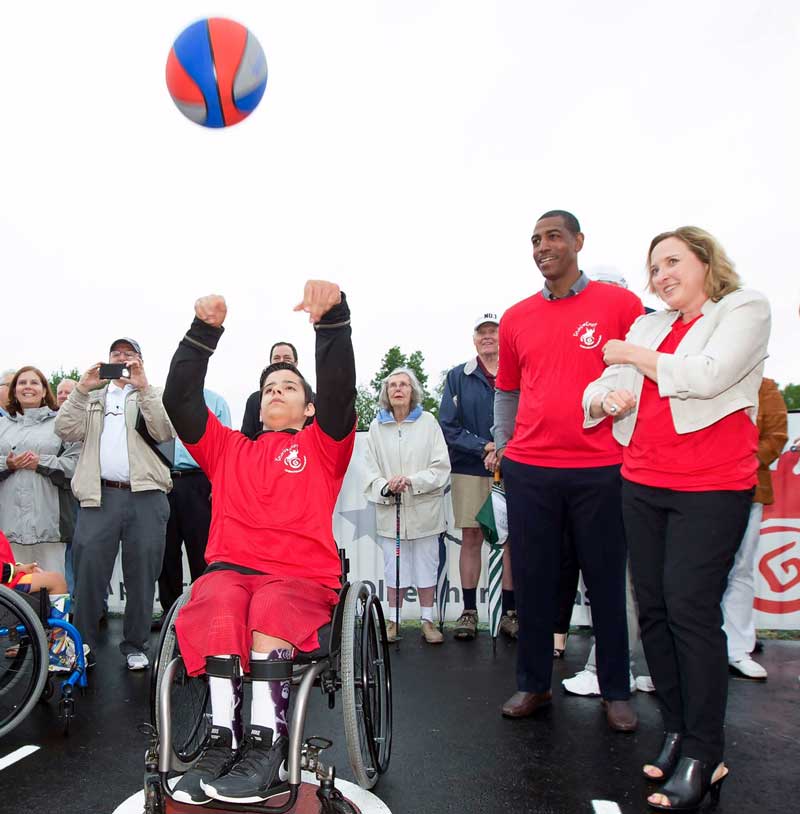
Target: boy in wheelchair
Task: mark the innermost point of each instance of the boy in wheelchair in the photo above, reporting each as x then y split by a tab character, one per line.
274	570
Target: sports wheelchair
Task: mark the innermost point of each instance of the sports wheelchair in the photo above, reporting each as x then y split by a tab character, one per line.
353	658
25	676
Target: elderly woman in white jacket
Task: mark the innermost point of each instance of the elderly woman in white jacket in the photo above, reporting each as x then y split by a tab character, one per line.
682	391
407	457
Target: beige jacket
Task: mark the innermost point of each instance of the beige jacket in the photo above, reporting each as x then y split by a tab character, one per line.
716	369
415	448
81	419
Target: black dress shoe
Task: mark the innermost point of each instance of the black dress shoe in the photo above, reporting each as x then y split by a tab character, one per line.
667	758
523	704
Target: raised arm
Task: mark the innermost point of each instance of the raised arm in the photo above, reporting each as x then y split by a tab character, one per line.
183	394
335	401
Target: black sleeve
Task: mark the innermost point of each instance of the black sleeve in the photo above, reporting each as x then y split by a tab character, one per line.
183	394
251	423
336	373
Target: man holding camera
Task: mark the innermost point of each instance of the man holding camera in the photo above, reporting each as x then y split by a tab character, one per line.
121	484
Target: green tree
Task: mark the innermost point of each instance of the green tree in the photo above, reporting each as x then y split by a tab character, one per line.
366	407
791	395
393	358
58	375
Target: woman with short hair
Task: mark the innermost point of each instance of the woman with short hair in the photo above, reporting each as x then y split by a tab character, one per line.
682	391
407	456
33	463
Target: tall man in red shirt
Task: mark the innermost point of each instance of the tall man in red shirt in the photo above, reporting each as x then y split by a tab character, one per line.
558	475
274	570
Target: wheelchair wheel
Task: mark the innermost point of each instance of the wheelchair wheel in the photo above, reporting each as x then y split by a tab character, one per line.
366	686
189	697
23	660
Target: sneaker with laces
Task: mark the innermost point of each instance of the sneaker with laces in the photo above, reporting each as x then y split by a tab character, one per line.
466	627
215	760
137	661
586	683
509	624
254	773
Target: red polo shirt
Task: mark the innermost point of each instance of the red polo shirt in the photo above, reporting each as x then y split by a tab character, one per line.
550	351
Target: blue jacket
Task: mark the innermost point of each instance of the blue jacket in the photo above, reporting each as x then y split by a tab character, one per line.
466	415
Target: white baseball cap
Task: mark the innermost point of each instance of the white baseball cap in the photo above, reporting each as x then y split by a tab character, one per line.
482	319
608	274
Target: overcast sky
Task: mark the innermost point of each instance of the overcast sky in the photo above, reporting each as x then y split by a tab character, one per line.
402	149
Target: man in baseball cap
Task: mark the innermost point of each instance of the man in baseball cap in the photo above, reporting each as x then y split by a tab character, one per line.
466	415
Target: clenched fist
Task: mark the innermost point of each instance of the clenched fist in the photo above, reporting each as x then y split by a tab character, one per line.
211	309
319	296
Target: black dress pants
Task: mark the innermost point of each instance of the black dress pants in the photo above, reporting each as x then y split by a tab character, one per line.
189	521
682	546
543	502
568	586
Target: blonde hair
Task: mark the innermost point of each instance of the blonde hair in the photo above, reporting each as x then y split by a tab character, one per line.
721	277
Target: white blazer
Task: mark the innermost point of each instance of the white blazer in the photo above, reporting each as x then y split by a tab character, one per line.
715	370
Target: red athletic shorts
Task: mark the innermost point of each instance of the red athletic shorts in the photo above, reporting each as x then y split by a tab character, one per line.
226	607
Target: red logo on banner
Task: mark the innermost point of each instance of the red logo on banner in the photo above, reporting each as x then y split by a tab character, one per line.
780	565
781	571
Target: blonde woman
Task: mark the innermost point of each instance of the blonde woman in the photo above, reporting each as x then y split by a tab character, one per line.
407	456
682	391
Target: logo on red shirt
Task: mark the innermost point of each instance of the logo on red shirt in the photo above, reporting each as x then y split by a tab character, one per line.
291	459
587	335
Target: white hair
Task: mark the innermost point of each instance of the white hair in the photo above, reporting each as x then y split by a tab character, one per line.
416	388
10	372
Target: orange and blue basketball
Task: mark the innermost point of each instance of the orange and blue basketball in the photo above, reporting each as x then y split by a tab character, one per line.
216	72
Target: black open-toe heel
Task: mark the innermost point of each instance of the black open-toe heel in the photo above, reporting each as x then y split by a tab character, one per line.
667	758
558	652
689	785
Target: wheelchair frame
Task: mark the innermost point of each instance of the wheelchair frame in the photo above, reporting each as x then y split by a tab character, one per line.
356	662
30	632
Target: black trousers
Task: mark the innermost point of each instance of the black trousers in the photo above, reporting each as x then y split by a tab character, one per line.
682	547
568	585
543	502
189	521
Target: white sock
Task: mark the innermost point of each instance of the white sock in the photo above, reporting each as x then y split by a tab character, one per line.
426	614
223	700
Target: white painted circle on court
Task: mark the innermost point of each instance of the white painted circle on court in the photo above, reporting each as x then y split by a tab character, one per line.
365	800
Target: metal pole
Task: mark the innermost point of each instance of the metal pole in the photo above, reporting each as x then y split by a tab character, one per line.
397	499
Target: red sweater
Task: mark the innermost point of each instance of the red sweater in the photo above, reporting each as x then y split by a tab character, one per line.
550	351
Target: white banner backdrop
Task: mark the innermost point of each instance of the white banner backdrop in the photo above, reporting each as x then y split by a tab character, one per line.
778	561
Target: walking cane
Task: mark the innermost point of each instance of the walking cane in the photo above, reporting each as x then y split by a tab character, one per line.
397	498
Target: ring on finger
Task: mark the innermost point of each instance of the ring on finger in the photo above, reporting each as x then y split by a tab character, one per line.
613	408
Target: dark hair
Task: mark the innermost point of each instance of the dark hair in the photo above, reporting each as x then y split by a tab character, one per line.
49	399
288	345
570	221
288	366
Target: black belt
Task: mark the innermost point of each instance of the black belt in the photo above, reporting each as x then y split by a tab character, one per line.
115	484
182	473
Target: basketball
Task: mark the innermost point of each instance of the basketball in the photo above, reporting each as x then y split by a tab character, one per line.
216	72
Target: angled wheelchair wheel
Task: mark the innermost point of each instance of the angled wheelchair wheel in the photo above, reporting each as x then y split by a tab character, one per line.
366	685
190	707
23	660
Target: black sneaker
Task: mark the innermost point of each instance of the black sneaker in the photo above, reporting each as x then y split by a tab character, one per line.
217	757
256	771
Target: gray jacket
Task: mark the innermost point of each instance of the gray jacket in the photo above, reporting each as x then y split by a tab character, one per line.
29	508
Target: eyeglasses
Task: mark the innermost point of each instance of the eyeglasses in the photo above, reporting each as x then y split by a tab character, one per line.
123	354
